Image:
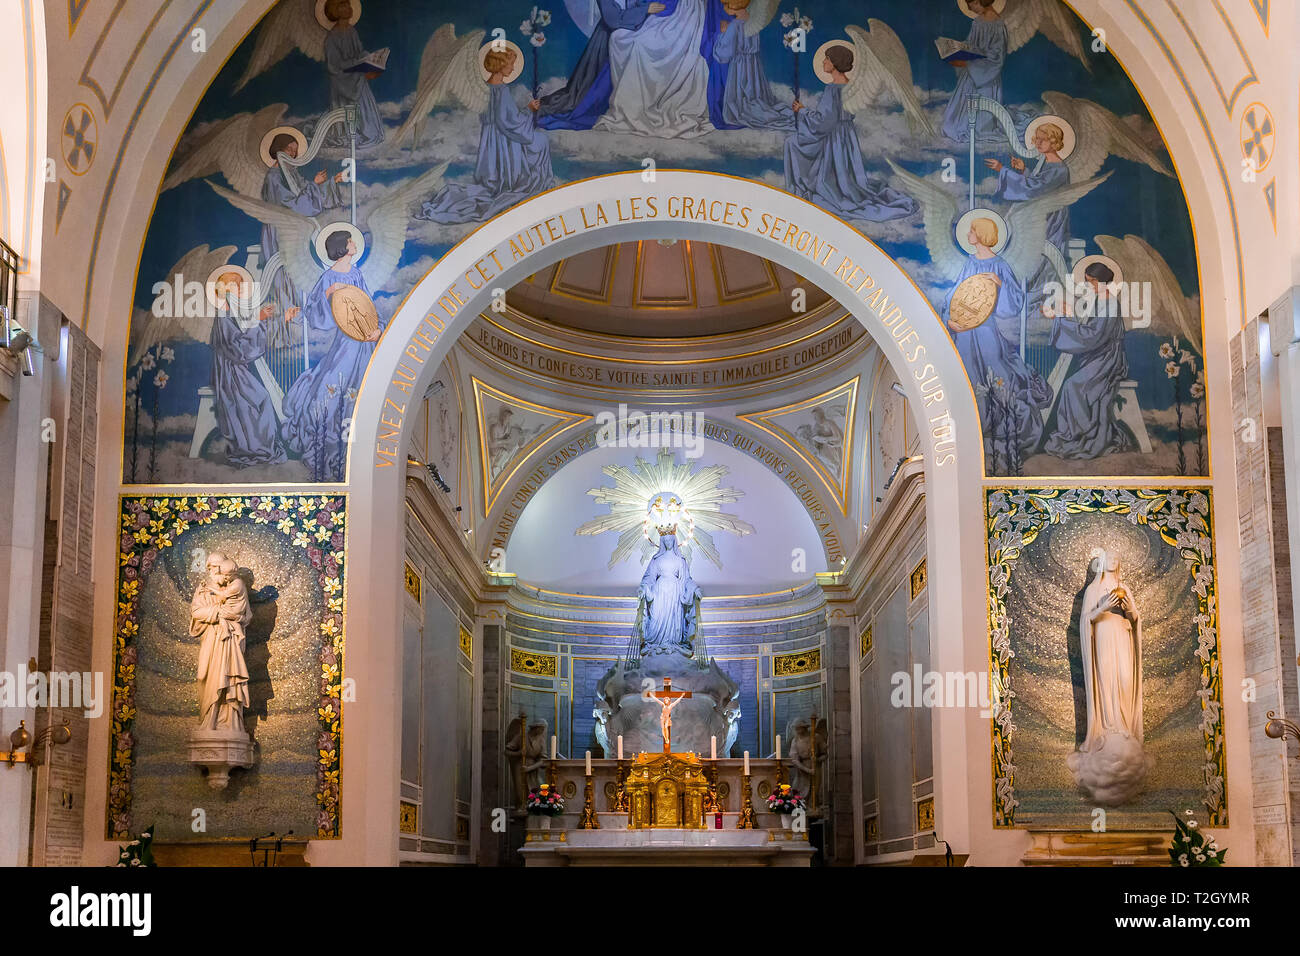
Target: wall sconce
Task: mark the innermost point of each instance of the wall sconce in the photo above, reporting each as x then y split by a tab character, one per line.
1279	728
22	737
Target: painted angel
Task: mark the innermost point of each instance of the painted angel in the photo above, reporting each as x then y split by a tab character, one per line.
327	391
235	148
1096	364
333	40
823	160
993	35
242	403
1010	394
514	155
748	99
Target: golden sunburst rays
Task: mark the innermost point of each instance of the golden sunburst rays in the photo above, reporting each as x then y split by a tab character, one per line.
632	498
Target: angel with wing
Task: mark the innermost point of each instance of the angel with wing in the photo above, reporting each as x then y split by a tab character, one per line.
990	350
326	33
823	160
246	150
244	410
747	99
998	28
514	156
327	391
1085	426
585	97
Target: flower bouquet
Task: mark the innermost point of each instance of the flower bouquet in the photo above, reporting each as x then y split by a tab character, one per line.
545	801
1191	846
784	799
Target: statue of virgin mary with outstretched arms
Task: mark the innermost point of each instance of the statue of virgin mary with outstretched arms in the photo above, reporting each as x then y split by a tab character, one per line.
669	600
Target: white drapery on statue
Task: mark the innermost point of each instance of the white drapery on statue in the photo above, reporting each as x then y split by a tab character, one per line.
1110	764
661	81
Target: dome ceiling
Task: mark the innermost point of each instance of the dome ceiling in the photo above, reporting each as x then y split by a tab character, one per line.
652	289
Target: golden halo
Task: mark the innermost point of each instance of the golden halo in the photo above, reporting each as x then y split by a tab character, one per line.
247	297
998	7
264	150
1067	133
318	241
820	56
962	229
513	74
327	23
1107	261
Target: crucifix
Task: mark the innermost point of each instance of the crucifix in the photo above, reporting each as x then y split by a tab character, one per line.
667	700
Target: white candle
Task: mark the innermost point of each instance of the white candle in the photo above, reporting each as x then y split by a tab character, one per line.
552	746
588	763
713	748
746	763
778	746
620	746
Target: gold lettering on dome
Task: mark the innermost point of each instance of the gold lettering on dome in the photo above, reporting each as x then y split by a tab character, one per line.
634	207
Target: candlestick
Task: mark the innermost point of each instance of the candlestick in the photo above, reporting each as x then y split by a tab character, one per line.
713	748
620	746
588	763
552	746
778	746
588	820
746	821
746	770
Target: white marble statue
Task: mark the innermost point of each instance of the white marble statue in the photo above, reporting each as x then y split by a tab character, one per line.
219	613
1110	764
669	600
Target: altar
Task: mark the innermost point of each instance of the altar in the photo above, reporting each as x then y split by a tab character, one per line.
679	809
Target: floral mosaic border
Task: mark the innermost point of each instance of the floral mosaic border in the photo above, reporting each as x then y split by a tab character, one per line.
1015	517
150	524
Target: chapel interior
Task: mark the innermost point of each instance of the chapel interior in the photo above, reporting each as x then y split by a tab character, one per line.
651	433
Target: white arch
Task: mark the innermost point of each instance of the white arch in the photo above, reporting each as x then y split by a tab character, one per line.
563	222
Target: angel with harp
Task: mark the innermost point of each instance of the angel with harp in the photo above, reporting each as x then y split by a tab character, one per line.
1010	394
327	391
823	160
747	98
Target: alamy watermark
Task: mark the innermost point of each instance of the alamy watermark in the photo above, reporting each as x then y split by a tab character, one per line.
70	689
630	428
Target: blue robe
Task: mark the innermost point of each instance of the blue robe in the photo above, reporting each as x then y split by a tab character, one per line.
310	202
993	361
982	77
1084	426
245	415
1017	187
586	96
748	99
823	164
514	162
317	405
343	50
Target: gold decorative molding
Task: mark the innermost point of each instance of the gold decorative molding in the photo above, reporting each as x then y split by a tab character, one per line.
838	480
462	829
467	643
918	579
865	641
804	662
408	817
412	582
873	829
494	480
526	662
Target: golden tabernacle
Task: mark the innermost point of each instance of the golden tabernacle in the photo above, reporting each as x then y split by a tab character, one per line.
667	790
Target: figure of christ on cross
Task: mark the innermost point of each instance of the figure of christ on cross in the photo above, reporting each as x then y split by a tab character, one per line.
667	699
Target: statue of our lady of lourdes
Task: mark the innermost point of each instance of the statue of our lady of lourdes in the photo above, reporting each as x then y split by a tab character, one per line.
669	605
1110	765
